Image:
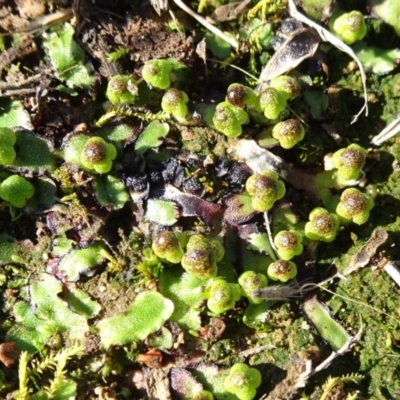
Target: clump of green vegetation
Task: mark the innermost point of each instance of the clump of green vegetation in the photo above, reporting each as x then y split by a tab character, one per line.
192	214
265	189
282	270
157	73
322	225
52	372
288	133
350	27
97	155
201	256
222	296
243	381
229	119
354	206
288	244
349	161
16	190
122	89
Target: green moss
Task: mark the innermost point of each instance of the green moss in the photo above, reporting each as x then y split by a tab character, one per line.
369	293
204	141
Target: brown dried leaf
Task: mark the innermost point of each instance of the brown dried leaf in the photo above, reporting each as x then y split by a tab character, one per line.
300	46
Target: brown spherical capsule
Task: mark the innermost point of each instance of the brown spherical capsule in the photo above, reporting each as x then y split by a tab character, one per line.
354	202
118	85
282	270
353	158
165	240
94	152
288	132
323	223
281	267
288	240
236	95
264	183
173	96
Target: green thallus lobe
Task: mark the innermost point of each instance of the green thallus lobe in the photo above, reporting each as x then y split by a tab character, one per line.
327	327
7	142
350	27
157	73
16	190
